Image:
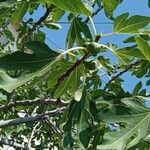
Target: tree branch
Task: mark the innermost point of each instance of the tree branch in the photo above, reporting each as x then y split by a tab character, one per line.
70	70
121	73
53	126
94	14
38	117
12	144
33	103
41	20
32	134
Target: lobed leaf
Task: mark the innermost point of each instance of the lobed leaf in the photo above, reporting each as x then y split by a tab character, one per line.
73	6
110	5
40	54
76	32
143	47
19	13
9	84
132	25
71	83
128	136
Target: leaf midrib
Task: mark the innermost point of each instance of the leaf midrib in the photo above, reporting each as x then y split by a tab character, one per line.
148	114
126	27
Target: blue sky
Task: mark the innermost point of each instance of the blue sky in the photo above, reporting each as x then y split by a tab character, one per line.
134	7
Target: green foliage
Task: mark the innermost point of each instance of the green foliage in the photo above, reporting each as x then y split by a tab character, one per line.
78	114
73	98
132	25
77	28
70	84
110	6
130	52
144	47
20	12
130	135
74	6
34	58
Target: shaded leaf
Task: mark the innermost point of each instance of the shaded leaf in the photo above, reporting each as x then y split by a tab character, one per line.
148	83
9	84
39	56
143	69
68	120
83	126
77	114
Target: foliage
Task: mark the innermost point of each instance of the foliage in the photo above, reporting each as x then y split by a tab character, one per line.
52	99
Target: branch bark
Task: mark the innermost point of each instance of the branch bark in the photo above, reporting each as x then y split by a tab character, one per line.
32	134
121	73
38	117
53	126
70	70
12	144
94	14
40	21
33	103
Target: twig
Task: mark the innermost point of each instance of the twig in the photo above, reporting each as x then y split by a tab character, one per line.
148	95
10	98
38	117
32	134
93	25
38	102
40	21
34	110
121	73
53	126
94	14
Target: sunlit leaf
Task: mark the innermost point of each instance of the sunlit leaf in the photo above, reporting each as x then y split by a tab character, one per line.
78	95
74	6
143	47
19	13
3	97
128	136
110	5
76	31
71	83
132	25
54	26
